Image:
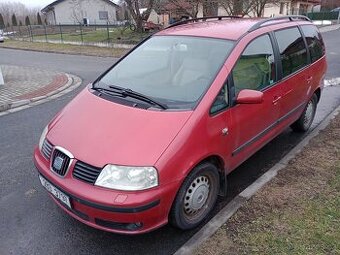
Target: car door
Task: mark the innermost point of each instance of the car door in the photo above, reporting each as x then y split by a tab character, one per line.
253	125
295	78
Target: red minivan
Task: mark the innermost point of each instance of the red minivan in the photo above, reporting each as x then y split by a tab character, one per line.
153	139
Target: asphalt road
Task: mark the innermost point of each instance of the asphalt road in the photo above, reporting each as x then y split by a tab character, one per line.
30	223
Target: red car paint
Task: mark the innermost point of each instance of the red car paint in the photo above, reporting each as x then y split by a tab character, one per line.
174	142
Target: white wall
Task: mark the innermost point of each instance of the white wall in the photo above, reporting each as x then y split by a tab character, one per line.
73	11
154	17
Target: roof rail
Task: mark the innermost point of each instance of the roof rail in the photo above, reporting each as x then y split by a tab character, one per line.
202	19
289	17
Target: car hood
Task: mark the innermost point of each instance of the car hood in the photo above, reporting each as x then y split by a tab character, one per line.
100	132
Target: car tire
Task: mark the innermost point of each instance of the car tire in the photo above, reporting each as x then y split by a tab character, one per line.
307	117
196	198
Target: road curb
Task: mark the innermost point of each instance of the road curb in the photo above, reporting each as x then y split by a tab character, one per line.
231	208
325	29
72	83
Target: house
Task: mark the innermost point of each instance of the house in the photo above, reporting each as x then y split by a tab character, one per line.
328	5
67	12
156	18
283	7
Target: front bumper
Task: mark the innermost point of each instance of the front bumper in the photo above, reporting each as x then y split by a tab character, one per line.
110	210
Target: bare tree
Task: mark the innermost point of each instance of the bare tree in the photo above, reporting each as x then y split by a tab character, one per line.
237	7
188	7
192	8
210	7
246	7
259	6
76	14
7	9
134	7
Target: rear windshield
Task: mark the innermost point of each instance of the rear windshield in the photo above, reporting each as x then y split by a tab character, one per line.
175	70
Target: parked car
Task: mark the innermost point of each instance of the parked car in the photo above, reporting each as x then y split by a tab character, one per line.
2	39
153	139
336	9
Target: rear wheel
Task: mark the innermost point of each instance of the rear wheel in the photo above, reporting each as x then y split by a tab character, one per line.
196	197
307	117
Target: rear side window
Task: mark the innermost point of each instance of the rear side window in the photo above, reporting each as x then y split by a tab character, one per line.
292	50
314	42
256	67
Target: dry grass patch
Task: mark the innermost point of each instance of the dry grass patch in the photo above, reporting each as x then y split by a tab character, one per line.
65	48
298	212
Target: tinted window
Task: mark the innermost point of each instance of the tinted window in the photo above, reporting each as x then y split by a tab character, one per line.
256	67
175	70
292	50
314	42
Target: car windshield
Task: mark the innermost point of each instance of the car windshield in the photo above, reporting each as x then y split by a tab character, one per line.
174	70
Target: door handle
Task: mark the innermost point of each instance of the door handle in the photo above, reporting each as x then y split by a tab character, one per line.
276	100
309	79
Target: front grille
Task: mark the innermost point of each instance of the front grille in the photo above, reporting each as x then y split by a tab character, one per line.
85	172
47	149
60	163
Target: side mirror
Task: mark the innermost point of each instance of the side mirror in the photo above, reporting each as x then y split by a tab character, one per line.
248	96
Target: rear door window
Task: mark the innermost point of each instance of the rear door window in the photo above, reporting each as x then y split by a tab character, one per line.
256	67
293	50
314	42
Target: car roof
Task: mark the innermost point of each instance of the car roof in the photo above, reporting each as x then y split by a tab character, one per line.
230	29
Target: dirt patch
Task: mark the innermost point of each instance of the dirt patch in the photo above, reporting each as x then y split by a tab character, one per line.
296	213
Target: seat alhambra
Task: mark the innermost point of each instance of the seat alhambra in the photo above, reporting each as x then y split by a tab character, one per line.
153	139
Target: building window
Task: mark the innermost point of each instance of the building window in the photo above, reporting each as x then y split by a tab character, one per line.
103	15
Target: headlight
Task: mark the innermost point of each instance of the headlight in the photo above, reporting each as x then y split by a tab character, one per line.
127	178
42	137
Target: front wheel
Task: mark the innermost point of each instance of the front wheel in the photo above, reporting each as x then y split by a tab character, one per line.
307	117
196	197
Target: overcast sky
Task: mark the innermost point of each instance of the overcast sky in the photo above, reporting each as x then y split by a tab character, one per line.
33	3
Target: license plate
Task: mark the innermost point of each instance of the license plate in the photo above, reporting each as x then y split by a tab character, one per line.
55	192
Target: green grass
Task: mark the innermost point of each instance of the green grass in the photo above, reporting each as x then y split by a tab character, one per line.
100	35
313	230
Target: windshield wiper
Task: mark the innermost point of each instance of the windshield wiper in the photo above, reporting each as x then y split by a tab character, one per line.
139	96
107	91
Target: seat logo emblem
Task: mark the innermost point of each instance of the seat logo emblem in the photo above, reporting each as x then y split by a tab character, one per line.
58	163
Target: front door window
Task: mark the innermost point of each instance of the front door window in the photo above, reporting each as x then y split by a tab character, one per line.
256	68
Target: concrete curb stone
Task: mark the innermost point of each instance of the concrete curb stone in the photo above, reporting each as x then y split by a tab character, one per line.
72	83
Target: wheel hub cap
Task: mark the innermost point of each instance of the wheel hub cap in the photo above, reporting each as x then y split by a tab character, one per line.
196	195
309	114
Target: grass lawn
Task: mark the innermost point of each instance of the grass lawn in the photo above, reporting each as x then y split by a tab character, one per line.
115	35
298	212
64	48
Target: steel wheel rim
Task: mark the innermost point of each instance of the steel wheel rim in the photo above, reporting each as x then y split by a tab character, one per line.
308	118
196	197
